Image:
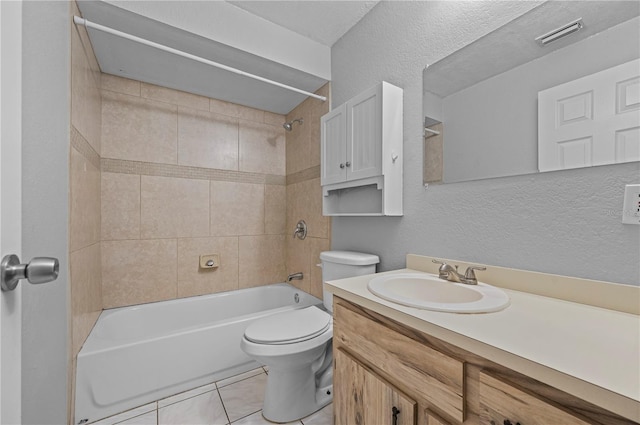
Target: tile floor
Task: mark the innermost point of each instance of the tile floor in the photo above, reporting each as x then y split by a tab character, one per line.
236	400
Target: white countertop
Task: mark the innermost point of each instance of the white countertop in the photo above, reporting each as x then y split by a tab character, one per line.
590	352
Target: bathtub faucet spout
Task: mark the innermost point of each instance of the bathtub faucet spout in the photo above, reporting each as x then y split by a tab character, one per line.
295	276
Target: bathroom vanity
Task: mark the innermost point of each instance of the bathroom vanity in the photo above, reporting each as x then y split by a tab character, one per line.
543	360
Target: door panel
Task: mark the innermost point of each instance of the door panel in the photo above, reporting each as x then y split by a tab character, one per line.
362	397
364	129
593	120
333	144
10	207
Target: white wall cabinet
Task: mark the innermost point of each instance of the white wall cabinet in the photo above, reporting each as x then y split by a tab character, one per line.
361	154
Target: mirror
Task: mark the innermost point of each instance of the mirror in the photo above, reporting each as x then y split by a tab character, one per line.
508	105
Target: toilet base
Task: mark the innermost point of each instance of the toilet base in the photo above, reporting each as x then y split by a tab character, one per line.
294	394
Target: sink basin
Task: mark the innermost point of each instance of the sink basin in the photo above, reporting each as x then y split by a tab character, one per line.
429	292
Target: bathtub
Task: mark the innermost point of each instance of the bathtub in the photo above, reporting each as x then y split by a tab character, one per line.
136	355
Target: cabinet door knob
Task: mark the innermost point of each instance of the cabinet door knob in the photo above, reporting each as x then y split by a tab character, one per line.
348	164
395	412
341	165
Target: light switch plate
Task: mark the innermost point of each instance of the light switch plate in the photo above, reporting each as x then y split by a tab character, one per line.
631	205
209	261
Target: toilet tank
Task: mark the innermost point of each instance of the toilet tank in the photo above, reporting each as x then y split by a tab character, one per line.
343	264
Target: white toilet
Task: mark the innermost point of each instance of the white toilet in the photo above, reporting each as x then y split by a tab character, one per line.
296	346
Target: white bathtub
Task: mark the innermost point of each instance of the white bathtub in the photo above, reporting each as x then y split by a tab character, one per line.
139	354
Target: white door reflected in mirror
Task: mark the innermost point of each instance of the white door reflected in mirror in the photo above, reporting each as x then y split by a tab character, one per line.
484	97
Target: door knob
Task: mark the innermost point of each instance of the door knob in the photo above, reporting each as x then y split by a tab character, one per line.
39	270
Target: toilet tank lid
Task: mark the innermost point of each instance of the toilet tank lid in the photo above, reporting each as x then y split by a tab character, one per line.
350	258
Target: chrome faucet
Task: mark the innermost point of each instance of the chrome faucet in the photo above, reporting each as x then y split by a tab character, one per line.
450	273
301	230
295	276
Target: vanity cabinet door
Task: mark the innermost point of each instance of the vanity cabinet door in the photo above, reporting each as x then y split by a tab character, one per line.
421	371
433	419
361	397
501	401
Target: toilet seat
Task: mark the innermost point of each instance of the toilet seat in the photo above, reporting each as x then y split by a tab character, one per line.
289	327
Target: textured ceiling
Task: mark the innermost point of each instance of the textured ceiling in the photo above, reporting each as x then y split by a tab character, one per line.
486	56
321	21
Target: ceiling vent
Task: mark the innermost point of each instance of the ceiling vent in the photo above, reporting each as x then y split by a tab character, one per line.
561	32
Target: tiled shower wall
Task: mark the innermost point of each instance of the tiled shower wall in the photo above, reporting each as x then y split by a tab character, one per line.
182	176
304	194
84	194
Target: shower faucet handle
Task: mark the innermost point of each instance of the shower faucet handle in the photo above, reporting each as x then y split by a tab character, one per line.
301	230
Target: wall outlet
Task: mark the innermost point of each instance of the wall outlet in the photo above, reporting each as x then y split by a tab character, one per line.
209	261
631	205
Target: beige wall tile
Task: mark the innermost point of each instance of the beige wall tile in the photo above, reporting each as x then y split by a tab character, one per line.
262	148
120	85
317	109
297	140
192	280
85	269
236	111
237	209
224	108
136	272
304	202
250	114
316	246
274	119
174	97
303	143
139	129
85	94
173	207
84	194
120	206
297	151
206	139
298	261
293	206
311	209
275	210
262	260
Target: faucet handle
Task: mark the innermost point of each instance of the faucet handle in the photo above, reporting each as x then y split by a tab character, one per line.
470	274
446	271
441	269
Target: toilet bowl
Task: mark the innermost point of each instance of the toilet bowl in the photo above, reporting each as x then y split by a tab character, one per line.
297	346
299	361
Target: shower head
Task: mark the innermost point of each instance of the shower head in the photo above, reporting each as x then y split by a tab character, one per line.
289	125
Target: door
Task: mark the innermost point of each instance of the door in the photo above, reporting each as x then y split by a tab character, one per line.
333	146
362	397
593	120
364	134
10	206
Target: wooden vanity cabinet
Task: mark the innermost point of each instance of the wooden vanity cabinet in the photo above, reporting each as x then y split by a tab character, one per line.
362	397
379	359
499	399
433	419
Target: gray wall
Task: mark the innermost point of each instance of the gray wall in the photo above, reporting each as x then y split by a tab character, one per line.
45	165
565	222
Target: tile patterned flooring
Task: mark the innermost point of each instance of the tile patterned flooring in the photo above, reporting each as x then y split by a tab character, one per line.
236	400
